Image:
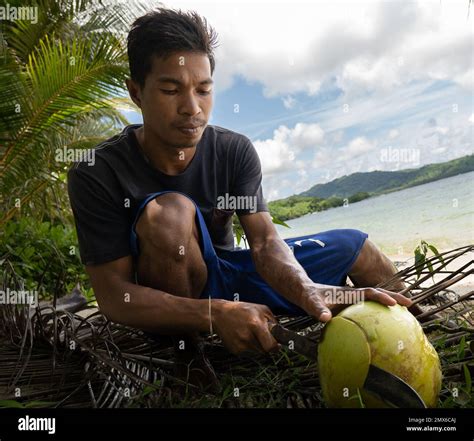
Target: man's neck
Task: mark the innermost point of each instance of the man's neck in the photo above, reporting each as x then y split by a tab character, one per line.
168	160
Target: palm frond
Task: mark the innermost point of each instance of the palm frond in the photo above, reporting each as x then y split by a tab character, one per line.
46	192
69	66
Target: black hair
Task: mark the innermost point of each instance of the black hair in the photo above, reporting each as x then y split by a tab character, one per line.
164	31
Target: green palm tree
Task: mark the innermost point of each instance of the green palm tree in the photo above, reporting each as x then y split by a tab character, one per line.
60	81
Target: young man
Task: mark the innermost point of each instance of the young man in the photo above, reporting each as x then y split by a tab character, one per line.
154	213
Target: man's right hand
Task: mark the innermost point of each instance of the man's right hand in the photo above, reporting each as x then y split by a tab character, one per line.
244	326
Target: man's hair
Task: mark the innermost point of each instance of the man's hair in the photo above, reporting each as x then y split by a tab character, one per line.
164	31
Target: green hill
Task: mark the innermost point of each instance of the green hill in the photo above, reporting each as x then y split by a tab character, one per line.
377	182
359	186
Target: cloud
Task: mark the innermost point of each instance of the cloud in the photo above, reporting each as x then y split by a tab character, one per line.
393	134
433	140
357	147
365	46
399	67
288	102
279	153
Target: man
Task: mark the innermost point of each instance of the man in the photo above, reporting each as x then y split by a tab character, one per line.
154	213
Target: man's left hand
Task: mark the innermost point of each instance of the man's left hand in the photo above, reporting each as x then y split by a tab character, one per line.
324	300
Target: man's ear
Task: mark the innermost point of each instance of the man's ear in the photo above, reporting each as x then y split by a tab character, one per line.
134	91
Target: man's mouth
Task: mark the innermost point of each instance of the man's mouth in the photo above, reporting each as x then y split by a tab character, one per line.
190	129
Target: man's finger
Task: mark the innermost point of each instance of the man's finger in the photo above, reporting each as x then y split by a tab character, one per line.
379	296
319	310
252	344
400	298
386	297
266	339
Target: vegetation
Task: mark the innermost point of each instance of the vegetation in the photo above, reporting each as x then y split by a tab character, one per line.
378	182
59	78
296	206
421	252
43	256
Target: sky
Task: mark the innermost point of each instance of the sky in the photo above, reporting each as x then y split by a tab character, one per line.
328	88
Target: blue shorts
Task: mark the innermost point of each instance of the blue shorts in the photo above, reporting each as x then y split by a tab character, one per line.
327	257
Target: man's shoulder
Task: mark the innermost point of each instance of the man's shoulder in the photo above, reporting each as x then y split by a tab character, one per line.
99	156
120	143
226	136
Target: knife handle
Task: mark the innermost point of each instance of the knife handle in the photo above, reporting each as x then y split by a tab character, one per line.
294	341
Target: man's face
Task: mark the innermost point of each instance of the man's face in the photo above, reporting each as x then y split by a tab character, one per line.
177	97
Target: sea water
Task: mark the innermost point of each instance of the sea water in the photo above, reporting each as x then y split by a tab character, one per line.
440	212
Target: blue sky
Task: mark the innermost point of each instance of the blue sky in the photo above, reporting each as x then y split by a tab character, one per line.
325	89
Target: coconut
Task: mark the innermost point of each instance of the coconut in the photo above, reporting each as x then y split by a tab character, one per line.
388	337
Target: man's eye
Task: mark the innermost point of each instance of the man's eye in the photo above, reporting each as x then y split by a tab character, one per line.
169	92
205	92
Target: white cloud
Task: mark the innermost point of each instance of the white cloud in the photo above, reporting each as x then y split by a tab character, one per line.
436	139
292	47
442	130
387	57
288	102
357	147
393	134
279	153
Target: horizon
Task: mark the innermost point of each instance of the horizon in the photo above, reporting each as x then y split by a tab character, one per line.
388	171
375	194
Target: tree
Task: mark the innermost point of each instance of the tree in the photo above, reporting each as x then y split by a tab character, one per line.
60	78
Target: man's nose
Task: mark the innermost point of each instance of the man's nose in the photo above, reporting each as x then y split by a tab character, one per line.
189	105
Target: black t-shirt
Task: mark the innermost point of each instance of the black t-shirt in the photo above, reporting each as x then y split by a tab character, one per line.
107	188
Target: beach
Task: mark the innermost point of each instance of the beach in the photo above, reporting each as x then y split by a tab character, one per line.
440	212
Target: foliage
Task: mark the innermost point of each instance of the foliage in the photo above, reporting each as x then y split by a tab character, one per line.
378	182
43	256
421	252
239	231
297	206
59	77
360	196
289	208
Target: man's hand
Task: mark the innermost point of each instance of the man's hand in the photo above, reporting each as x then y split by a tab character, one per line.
244	326
324	300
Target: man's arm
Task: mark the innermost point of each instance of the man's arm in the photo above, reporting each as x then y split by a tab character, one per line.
277	265
123	301
242	326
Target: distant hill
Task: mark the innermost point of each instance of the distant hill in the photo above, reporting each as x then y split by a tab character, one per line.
377	182
359	186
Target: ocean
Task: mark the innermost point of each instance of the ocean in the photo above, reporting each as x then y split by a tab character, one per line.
440	212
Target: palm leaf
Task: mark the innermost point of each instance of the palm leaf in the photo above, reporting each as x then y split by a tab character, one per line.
68	67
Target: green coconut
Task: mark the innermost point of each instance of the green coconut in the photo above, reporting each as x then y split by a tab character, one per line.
388	337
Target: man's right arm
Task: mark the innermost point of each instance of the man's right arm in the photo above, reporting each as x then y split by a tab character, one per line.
242	326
